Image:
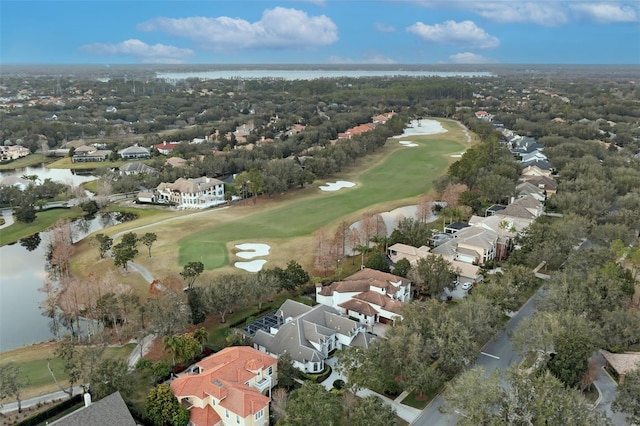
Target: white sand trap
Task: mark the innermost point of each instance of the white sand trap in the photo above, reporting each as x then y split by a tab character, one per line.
253	266
422	127
336	186
251	250
456	155
408	143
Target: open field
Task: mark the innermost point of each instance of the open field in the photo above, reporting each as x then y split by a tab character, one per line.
33	363
29	160
392	177
44	220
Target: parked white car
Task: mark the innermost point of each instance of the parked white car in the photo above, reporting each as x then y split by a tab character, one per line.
467	286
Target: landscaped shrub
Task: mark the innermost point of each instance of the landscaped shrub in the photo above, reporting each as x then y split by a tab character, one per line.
55	410
143	364
338	384
317	378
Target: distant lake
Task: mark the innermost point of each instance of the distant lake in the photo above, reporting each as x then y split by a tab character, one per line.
66	176
311	74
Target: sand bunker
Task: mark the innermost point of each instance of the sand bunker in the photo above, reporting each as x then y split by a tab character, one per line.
335	186
456	155
251	250
408	143
253	266
422	127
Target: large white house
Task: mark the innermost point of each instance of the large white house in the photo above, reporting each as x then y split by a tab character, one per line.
369	296
196	193
308	334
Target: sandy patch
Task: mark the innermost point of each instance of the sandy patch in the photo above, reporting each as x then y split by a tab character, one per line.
408	143
252	266
422	127
251	250
336	186
456	155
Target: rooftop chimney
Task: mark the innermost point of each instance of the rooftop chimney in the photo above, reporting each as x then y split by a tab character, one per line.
87	399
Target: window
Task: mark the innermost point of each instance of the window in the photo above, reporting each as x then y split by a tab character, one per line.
237	419
227	412
270	370
259	414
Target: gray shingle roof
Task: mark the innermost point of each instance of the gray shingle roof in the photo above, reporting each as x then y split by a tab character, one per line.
109	411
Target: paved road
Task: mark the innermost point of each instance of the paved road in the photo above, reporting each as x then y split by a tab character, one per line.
498	353
13	406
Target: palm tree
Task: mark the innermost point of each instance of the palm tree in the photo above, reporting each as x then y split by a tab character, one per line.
172	344
362	249
201	335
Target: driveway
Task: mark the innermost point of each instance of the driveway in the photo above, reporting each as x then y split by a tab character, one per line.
608	392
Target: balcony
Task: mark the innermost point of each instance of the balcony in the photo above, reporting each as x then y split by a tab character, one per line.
263	384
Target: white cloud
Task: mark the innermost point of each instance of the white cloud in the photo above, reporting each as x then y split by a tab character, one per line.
384	28
469	58
465	33
316	2
547	13
278	28
368	59
156	54
605	12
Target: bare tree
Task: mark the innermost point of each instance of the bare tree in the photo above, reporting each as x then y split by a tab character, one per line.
423	210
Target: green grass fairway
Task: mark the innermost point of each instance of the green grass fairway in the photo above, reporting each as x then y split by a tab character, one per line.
44	220
404	174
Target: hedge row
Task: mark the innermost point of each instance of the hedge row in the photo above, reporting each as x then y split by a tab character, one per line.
53	411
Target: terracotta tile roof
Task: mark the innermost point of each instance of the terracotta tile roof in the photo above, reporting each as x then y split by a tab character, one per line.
359	306
243	400
367	273
223	376
206	416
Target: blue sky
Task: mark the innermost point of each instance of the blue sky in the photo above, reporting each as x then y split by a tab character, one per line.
320	31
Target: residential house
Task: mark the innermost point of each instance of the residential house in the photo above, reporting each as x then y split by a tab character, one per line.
472	245
166	148
528	189
196	193
228	388
506	227
146	197
536	169
176	162
111	109
466	272
357	130
483	115
136	168
382	118
13	152
308	334
110	410
87	153
526	207
532	156
369	296
546	183
134	152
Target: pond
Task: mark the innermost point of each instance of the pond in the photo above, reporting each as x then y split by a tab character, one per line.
67	176
22	272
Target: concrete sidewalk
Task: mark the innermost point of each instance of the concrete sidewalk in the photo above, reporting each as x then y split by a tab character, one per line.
405	412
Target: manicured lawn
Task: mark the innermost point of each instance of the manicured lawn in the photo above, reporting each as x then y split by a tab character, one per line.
44	220
404	174
29	160
33	363
421	401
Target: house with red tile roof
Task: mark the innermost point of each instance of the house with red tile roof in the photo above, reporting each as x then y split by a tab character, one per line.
355	131
228	388
166	148
369	296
